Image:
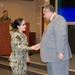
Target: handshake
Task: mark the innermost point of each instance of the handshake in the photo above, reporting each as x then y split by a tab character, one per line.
35	47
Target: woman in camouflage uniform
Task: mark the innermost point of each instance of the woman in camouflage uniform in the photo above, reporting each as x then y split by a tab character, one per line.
19	48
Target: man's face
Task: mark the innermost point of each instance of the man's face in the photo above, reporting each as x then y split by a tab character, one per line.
5	13
46	14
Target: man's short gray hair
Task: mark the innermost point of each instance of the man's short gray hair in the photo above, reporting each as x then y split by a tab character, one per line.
50	8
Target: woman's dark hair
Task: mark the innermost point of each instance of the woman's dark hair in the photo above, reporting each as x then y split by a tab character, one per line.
17	22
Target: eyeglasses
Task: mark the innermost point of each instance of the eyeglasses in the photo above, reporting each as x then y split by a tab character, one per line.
23	25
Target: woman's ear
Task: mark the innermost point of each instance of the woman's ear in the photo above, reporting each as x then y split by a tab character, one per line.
18	26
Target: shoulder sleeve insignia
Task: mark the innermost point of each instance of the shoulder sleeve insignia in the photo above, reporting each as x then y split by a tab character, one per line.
18	37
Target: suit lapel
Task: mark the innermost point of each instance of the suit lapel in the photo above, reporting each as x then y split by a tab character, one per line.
49	24
46	28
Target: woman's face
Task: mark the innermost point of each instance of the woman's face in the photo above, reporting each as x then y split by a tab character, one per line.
22	27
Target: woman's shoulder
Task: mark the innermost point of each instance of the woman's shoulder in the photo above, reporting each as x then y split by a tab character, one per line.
15	34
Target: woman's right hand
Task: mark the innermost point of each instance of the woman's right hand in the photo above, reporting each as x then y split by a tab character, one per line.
36	47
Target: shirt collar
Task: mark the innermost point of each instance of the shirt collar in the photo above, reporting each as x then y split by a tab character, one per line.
52	17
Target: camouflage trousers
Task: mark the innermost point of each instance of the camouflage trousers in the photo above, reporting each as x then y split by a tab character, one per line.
18	69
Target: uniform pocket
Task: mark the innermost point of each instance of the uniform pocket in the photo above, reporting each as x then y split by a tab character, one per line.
12	58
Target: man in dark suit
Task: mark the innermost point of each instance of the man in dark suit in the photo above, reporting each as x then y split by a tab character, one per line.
54	46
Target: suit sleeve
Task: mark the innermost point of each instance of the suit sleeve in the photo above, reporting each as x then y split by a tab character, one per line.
60	33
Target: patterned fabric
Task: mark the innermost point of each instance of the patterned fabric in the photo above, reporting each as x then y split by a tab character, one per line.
2	19
19	54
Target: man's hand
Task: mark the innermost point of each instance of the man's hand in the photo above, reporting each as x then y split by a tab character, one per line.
60	55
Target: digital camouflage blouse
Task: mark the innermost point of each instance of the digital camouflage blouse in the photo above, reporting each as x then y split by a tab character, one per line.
19	53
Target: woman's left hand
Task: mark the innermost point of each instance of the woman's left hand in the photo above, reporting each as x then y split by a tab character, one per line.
27	59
